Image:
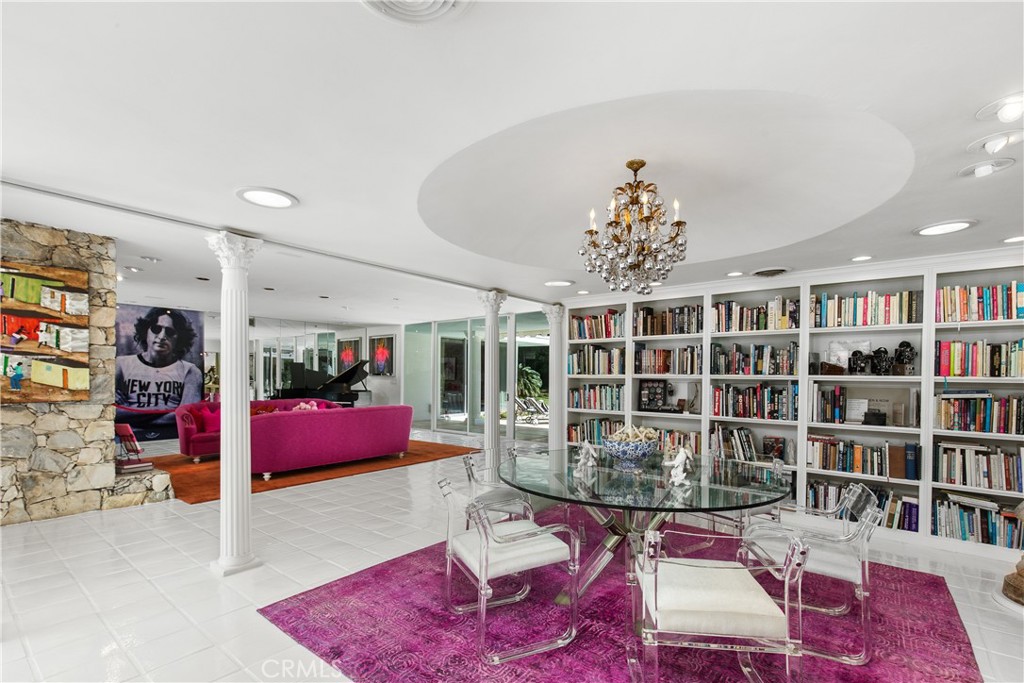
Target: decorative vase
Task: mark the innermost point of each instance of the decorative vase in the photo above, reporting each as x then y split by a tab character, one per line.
629	456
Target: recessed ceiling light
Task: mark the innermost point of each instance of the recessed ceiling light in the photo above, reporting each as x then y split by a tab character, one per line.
559	283
944	228
1005	109
735	273
583	291
324	296
985	168
133	269
267	197
151	259
861	258
120	278
1011	240
204	279
268	289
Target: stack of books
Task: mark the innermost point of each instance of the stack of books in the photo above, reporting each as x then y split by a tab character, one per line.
131	466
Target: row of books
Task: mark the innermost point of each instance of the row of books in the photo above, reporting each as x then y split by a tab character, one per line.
596	397
675	320
979	359
832	404
740	444
597	360
886	460
685	360
729	472
760	401
609	325
776	314
976	520
593	430
964	303
898	511
898	308
755	359
674	438
970	411
977	465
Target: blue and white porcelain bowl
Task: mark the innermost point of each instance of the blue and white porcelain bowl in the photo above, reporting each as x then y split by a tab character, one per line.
630	455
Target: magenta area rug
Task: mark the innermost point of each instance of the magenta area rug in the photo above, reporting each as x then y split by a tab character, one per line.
387	623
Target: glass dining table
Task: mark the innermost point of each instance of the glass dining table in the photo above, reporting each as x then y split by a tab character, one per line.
626	502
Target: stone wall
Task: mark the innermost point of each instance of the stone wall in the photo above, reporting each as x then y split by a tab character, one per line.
58	458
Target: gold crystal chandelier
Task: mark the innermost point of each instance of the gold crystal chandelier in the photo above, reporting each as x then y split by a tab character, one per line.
632	251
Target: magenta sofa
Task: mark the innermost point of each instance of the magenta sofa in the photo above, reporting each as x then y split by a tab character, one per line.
289	439
285	441
196	441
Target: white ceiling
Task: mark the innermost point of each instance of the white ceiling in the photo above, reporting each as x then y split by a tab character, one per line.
471	149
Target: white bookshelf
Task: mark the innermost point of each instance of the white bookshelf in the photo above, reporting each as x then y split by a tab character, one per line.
925	275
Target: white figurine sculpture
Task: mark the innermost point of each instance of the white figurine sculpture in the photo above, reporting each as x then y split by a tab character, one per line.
682	462
587	460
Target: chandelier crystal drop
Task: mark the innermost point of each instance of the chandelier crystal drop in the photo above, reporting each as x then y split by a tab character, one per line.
633	251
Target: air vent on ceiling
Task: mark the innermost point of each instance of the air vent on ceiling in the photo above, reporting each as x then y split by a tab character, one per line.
416	11
771	271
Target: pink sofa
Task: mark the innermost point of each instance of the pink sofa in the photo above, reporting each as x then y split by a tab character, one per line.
196	440
293	439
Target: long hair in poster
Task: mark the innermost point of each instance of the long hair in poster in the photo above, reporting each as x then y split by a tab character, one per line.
44	320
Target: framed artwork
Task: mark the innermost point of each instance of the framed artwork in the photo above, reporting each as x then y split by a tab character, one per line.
44	348
348	353
382	355
159	367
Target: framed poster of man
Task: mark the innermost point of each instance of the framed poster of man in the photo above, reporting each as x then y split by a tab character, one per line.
382	355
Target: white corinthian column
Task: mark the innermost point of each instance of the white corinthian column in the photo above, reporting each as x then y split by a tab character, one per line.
492	301
556	382
235	254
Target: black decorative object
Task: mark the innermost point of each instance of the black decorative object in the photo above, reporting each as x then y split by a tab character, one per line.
860	364
874	417
904	359
881	361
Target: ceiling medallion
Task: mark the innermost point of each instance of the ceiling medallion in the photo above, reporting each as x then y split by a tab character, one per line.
632	251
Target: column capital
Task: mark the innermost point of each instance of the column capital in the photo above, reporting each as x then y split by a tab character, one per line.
555	313
492	299
233	251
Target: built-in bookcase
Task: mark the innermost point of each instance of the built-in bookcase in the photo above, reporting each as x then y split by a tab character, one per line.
752	365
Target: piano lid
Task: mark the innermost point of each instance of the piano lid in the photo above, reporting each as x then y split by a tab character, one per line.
355	374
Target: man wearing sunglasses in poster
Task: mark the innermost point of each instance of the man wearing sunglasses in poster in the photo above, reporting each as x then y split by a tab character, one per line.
151	384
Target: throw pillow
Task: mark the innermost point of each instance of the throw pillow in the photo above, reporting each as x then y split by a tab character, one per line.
211	420
197	417
306	406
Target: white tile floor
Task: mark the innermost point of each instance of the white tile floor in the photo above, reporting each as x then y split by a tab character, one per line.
127	595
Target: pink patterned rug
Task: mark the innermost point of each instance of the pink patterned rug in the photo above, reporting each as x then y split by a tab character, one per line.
387	623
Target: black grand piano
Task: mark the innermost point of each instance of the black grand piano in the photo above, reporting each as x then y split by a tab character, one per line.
339	389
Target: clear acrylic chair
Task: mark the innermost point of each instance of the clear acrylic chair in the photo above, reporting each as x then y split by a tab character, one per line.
514	547
713	601
841	554
486	487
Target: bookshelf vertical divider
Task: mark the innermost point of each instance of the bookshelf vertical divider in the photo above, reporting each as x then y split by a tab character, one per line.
805	399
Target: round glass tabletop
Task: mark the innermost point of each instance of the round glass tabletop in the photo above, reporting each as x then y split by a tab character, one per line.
711	484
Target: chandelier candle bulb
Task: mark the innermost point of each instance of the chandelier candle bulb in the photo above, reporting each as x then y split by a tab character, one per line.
675	205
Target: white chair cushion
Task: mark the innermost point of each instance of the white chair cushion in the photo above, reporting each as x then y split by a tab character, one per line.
713	598
827	559
509	558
